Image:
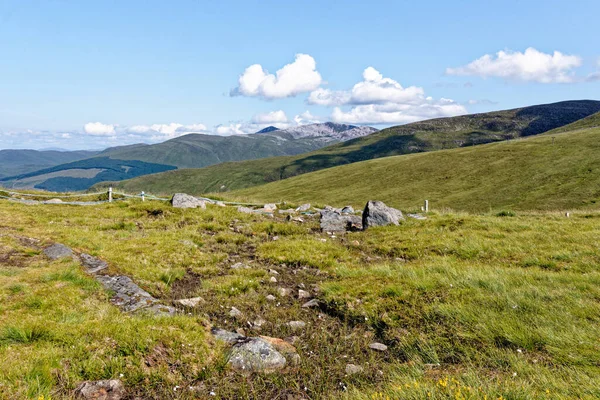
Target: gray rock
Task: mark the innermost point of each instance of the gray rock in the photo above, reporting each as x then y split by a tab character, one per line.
127	295
273	279
226	336
310	304
376	213
273	271
303	294
240	265
100	390
352	369
235	313
182	200
348	210
283	292
334	221
53	201
270	297
191	303
296	325
246	210
378	346
57	251
416	216
256	355
271	207
259	321
303	207
92	264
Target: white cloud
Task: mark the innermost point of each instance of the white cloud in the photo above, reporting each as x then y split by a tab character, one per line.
272	117
532	65
231	129
166	131
306	118
298	77
99	129
380	100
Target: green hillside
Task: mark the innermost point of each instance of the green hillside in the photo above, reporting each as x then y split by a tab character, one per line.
557	171
15	162
419	137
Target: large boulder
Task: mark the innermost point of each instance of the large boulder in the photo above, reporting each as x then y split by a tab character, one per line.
100	390
57	251
256	355
334	221
182	200
376	213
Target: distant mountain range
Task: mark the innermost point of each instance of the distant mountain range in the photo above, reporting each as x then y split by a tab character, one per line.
188	151
418	137
15	162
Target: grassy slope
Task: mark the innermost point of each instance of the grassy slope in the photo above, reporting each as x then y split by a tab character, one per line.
444	133
530	173
469	305
16	162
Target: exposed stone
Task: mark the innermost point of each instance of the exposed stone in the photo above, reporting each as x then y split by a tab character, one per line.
416	216
226	336
57	251
129	296
53	201
256	355
303	294
182	200
100	390
191	303
273	272
240	265
235	313
303	207
334	221
270	297
310	304
92	264
271	207
259	321
285	348
246	210
376	213
273	279
352	369
348	210
296	325
283	292
378	346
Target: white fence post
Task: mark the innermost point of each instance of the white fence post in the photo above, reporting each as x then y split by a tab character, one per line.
426	206
110	194
143	194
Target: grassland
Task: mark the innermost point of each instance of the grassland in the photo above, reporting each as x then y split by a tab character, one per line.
471	305
419	137
546	172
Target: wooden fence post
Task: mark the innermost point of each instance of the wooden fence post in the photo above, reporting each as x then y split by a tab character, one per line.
426	206
110	194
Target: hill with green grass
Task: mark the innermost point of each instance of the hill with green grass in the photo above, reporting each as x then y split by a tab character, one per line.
437	134
558	170
16	162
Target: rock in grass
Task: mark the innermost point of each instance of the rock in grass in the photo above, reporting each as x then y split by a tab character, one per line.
303	294
271	207
240	265
191	303
283	292
92	264
352	369
296	325
348	210
129	296
303	207
334	221
310	304
182	200
273	279
226	336
57	251
256	355
376	213
101	390
270	297
235	313
378	347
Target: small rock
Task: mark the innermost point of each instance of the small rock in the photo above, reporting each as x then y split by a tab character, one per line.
303	207
256	355
240	265
274	238
226	336
270	297
100	390
283	292
220	204
57	251
258	322
53	201
378	346
296	325
352	369
191	303
416	216
355	243
245	210
235	313
273	272
311	303
271	207
182	200
273	280
92	264
297	219
303	294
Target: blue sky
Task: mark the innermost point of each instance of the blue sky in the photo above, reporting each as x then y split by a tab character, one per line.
92	74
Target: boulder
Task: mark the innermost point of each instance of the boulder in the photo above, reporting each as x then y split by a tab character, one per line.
256	355
92	264
100	390
376	213
303	207
57	251
334	221
182	200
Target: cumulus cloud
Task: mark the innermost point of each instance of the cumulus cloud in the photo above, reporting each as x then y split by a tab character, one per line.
99	129
231	129
531	65
380	100
300	76
272	117
166	131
